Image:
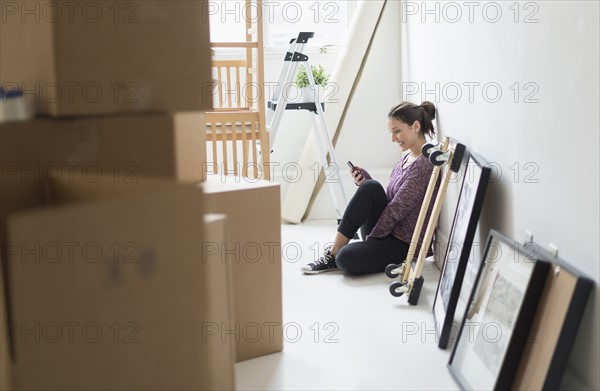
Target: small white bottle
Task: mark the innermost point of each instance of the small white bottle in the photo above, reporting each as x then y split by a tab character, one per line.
14	106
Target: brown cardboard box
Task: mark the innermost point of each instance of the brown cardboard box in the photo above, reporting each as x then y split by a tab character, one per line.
16	195
254	252
117	148
100	57
5	362
109	290
220	305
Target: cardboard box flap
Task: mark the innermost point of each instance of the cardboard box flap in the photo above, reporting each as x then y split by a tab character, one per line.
220	306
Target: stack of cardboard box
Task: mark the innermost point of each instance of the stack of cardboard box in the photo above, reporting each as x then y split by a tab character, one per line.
116	275
95	67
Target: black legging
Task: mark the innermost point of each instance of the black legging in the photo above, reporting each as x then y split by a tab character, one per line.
362	212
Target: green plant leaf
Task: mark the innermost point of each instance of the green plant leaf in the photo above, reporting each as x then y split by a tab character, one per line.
321	78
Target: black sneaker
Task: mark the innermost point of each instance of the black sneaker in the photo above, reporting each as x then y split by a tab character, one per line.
325	263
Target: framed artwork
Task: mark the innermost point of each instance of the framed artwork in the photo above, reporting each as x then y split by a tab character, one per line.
497	322
554	327
458	250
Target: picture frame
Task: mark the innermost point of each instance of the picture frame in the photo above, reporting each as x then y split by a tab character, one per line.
475	179
554	329
497	322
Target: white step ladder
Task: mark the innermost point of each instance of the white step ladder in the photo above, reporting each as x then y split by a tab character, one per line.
280	102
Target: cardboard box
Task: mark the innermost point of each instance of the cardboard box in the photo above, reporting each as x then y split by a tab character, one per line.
109	290
121	149
5	362
219	281
254	251
98	57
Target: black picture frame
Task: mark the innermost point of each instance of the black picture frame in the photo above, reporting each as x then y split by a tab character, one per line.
554	329
475	180
508	288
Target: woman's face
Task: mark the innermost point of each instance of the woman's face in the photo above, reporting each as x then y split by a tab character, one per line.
403	134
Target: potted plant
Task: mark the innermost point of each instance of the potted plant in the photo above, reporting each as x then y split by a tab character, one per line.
321	79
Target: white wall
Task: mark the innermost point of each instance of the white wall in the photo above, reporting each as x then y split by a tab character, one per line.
551	143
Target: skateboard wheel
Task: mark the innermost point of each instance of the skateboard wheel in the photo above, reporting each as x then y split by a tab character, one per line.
426	149
433	158
413	297
394	287
390	270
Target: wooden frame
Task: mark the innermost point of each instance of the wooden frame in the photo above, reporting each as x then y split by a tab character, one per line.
555	326
238	121
470	201
496	325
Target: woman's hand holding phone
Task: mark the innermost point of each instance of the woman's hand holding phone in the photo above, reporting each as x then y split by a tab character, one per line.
356	174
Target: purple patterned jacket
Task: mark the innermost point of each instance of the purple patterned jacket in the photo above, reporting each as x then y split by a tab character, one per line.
405	193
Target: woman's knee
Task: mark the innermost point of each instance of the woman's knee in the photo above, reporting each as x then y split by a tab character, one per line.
371	188
341	259
346	261
370	185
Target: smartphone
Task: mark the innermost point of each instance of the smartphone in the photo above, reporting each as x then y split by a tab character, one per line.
351	165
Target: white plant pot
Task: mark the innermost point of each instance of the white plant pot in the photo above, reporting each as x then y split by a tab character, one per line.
292	93
312	94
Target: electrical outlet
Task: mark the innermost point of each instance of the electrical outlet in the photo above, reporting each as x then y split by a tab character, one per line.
553	250
528	236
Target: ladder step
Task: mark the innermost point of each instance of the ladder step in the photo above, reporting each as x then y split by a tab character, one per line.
310	106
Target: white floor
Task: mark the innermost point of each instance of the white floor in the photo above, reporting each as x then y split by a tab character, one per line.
347	332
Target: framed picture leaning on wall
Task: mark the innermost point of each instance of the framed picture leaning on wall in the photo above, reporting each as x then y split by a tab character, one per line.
475	179
496	324
555	326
